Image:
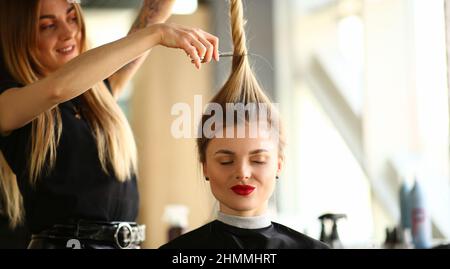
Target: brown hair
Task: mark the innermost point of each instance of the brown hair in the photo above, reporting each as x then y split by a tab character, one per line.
114	139
242	86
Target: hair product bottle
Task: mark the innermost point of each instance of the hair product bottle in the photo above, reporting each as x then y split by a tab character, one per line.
420	217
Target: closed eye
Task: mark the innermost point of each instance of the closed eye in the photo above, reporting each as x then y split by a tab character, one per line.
226	163
74	18
49	26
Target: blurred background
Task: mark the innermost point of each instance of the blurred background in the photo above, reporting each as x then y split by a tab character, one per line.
363	89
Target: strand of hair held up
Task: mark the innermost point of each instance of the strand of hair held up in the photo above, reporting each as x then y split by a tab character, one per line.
238	32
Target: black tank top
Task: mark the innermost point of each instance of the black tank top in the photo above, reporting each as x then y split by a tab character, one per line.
77	187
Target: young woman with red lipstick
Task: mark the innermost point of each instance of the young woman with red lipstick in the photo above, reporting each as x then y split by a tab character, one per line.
67	154
242	170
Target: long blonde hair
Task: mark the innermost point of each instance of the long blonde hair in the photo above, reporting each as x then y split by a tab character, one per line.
242	87
115	142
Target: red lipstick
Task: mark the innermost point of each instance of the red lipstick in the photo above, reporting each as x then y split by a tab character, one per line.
243	189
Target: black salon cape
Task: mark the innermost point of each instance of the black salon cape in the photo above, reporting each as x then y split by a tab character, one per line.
218	235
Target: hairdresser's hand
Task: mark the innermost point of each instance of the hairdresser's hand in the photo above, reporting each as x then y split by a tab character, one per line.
199	45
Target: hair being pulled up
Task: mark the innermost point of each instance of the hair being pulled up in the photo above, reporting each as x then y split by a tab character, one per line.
242	86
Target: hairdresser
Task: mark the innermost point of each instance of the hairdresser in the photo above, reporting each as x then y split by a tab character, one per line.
67	153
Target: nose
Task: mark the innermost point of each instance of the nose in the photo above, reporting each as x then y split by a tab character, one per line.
67	31
243	171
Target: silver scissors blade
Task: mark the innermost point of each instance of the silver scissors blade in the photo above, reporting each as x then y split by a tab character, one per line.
226	54
221	54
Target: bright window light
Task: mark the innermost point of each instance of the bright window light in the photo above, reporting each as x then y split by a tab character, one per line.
351	39
185	7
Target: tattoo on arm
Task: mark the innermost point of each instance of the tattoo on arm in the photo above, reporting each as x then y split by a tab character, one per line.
148	14
152	11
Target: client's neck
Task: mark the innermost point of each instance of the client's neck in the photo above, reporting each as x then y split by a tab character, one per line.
255	222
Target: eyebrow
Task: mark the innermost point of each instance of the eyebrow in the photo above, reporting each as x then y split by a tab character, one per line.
70	9
258	151
229	152
224	151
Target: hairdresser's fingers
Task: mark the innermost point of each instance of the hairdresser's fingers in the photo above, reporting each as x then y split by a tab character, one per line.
201	49
193	54
209	50
209	47
214	41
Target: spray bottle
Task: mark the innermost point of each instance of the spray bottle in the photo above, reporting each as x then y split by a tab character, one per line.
177	218
405	204
331	239
420	217
404	236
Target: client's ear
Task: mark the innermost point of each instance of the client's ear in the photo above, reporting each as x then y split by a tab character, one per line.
205	173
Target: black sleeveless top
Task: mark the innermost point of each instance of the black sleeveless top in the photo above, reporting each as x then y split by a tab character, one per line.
77	187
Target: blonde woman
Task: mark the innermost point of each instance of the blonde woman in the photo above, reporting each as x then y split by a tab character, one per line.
67	154
242	160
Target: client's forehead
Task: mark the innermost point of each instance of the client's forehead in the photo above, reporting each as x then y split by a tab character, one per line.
253	129
242	145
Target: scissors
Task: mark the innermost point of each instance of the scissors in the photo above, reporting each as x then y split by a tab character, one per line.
226	54
221	54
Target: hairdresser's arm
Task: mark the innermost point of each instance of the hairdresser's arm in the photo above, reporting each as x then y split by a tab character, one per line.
152	11
21	105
